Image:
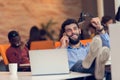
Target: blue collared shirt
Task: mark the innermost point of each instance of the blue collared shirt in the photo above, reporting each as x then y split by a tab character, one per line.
75	54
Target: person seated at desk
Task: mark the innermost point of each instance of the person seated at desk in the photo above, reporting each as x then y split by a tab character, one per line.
17	52
90	58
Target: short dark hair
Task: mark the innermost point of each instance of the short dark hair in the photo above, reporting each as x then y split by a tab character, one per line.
12	34
65	23
105	19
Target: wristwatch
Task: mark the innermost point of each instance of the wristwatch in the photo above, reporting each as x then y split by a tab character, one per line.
100	30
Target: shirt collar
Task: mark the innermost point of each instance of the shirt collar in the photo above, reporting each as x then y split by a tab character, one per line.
70	47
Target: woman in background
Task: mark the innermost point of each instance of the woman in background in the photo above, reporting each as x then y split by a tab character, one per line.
34	35
106	20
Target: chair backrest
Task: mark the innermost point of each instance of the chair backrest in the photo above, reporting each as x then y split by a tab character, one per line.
57	44
36	45
3	48
84	42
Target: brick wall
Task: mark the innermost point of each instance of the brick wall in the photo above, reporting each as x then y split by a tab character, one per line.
20	15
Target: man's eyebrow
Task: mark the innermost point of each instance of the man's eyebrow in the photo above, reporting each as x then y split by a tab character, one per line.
76	26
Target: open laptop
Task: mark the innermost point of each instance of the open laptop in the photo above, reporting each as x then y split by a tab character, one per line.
114	30
50	61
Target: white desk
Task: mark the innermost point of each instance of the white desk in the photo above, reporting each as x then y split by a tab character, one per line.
28	76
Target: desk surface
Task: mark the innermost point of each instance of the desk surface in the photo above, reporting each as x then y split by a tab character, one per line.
28	76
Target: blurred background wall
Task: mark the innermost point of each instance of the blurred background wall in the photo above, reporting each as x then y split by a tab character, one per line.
21	15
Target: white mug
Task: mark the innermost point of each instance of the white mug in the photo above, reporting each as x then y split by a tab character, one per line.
13	68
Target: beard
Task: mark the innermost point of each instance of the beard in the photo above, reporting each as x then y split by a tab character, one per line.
16	45
73	42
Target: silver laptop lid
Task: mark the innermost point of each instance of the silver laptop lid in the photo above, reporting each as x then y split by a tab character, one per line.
51	61
114	30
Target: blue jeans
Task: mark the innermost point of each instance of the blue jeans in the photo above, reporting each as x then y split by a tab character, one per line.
78	68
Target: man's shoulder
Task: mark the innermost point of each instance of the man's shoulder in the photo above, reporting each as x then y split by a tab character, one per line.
25	48
10	49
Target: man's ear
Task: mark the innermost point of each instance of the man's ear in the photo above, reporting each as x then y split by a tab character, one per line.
10	40
79	30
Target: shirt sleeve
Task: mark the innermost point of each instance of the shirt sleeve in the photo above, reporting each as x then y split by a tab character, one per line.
27	52
105	39
12	56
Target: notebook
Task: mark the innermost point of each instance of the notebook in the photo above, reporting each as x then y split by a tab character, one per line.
50	61
114	30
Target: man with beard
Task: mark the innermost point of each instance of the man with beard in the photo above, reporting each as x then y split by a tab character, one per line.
17	52
90	58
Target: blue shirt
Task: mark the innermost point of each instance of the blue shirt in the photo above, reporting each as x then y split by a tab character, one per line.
75	54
